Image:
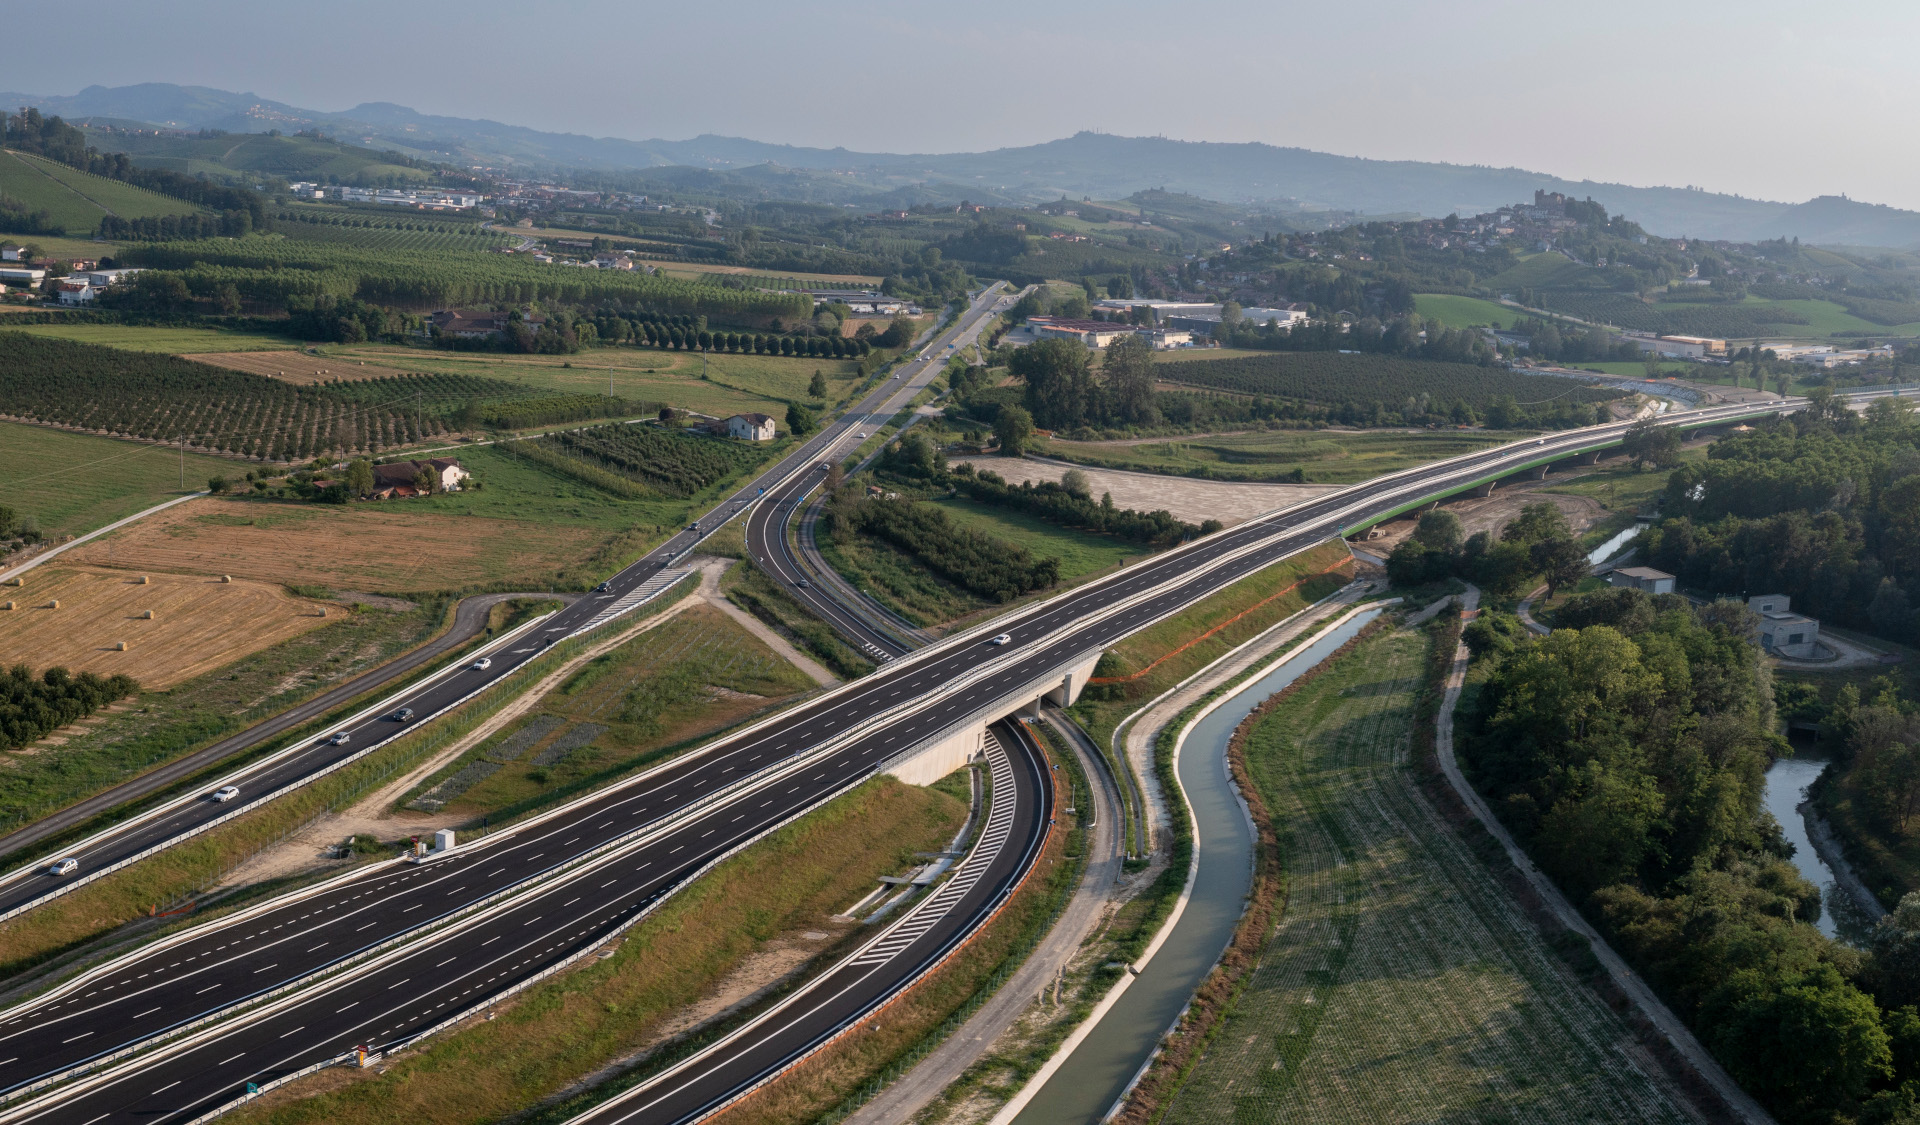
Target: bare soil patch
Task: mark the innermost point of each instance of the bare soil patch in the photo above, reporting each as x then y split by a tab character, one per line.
1491	513
199	623
296	367
393	550
1188	498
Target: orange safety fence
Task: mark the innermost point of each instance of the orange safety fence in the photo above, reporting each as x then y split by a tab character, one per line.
1217	628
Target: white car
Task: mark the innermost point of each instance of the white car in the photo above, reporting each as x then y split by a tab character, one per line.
340	739
1002	639
483	664
65	866
226	793
862	436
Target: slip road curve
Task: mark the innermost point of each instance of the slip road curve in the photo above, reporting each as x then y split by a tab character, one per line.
30	885
468	963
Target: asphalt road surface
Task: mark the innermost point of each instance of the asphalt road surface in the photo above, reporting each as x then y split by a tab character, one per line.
904	705
30	885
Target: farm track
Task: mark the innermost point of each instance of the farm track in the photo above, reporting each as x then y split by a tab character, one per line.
468	621
1403	983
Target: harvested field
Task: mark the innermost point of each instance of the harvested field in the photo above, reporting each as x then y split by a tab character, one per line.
1189	498
297	367
199	623
389	549
1403	983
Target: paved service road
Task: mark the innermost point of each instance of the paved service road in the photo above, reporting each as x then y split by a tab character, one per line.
28	886
793	761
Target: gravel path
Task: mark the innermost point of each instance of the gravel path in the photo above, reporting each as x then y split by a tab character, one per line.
1188	498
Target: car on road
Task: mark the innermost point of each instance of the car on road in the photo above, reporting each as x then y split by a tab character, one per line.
403	715
804	584
340	739
825	465
226	793
1002	639
603	588
482	664
65	866
860	435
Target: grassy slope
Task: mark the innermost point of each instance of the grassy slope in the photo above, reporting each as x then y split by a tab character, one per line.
706	648
1402	983
1326	456
78	199
578	1021
734	383
73	483
172	341
1463	312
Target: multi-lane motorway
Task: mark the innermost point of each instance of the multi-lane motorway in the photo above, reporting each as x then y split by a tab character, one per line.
29	885
628	847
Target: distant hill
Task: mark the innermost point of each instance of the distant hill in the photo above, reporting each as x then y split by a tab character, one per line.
1086	164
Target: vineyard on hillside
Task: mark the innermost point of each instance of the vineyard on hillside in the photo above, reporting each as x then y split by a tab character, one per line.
664	462
1332	377
165	398
269	270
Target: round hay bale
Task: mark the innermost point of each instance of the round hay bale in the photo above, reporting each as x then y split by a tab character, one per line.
119	646
143	580
226	578
146	615
54	604
6	605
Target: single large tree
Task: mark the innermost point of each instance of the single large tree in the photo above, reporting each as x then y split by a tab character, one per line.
1128	368
1060	392
1013	428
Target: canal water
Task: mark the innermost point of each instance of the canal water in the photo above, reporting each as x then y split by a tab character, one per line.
1614	545
1786	788
1104	1064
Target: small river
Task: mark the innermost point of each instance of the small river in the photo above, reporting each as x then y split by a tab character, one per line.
1787	781
1104	1064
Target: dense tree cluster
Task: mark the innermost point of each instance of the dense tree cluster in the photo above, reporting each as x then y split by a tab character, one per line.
1627	750
1538	542
33	706
980	564
18	217
1823	506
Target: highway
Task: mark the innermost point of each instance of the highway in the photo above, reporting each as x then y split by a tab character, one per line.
645	837
29	885
469	619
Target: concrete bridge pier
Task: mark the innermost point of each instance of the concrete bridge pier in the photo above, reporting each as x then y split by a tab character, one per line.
1590	457
1486	490
1538	472
961	743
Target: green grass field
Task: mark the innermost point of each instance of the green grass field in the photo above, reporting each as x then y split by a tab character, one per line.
1402	983
1538	271
172	341
1324	456
73	483
54	246
1828	319
1463	312
623	710
75	199
1080	554
734	383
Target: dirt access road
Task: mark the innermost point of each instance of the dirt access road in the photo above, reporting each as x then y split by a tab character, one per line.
1188	498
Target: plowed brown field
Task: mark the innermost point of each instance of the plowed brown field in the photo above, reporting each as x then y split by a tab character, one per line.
375	548
199	623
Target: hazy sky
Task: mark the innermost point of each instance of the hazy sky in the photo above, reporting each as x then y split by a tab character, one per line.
1781	99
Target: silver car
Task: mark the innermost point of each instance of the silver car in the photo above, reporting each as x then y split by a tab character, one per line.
65	866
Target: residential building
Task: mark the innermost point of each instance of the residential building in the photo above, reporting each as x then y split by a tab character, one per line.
1784	632
1642	578
11	253
751	427
401	478
74	292
477	324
